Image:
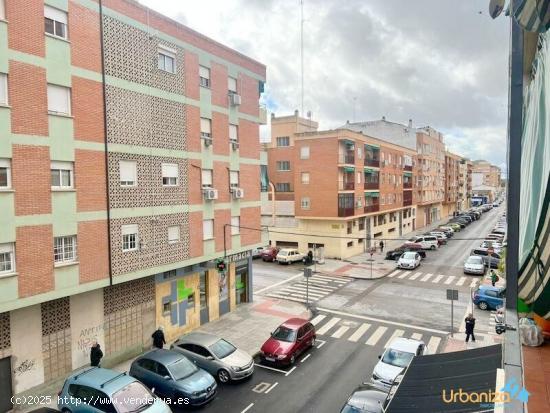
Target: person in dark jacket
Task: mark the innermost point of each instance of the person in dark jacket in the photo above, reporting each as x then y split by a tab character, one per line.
95	355
158	338
470	324
381	244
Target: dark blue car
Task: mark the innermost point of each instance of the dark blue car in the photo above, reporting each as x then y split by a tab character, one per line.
173	376
487	297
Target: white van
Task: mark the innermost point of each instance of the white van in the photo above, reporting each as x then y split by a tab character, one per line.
427	242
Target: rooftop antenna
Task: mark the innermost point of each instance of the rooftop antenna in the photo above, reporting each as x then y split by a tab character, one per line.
354	102
302	48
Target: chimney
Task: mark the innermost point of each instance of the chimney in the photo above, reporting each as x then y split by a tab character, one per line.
383	118
410	123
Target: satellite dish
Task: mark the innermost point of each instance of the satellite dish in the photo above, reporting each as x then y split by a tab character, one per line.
495	8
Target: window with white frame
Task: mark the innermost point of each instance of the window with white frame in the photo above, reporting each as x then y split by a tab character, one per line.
3	88
170	174
128	173
130	237
235	225
2	10
167	59
207	229
305	178
62	175
204	76
5	174
59	99
234	179
55	22
232	84
304	152
64	249
7	258
283	165
206	175
304	204
173	234
283	141
206	128
233	133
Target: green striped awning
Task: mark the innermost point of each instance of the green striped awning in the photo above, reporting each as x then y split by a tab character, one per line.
372	194
372	146
349	169
348	142
408	174
369	171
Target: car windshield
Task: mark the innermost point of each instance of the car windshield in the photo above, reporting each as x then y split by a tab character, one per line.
134	397
409	255
284	334
397	358
284	253
474	260
182	369
222	348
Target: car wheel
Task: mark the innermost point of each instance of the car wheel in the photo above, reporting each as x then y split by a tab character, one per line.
483	305
292	359
223	376
432	247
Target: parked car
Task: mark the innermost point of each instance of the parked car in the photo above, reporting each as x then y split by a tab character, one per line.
441	237
448	231
495	245
395	359
495	204
96	389
487	297
289	255
427	242
215	355
270	254
496	237
474	265
174	376
398	252
466	217
409	260
499	231
490	261
455	226
257	252
288	341
367	398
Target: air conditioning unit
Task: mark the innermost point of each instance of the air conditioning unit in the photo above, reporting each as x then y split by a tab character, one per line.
235	99
207	141
238	193
234	145
210	194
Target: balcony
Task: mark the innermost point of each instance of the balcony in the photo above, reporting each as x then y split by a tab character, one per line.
347	158
407	201
374	162
371	208
346	186
408	168
346	212
407	185
372	185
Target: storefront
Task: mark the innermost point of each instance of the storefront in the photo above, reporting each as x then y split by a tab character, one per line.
242	265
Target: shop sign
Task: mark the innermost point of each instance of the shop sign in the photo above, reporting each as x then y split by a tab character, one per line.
240	256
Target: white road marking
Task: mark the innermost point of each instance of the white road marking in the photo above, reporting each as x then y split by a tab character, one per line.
359	332
317	319
279	283
331	323
270	368
438	278
433	344
334	279
247	408
290	371
416	336
316	288
449	279
320	341
290	290
426	277
405	274
305	358
319	282
473	283
393	274
461	281
393	323
376	336
340	332
396	333
415	276
272	387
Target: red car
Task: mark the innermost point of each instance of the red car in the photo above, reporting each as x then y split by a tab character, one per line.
288	341
269	254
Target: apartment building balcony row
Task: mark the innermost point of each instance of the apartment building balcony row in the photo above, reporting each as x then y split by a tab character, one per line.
407	198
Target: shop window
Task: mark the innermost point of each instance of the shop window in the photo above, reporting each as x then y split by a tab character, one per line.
166	308
191	300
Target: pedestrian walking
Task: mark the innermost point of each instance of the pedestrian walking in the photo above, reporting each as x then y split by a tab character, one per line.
494	277
158	338
381	245
95	355
470	324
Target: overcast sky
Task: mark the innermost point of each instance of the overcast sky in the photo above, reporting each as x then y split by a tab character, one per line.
442	63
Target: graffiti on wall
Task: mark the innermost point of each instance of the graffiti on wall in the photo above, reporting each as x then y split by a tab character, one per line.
24	367
87	337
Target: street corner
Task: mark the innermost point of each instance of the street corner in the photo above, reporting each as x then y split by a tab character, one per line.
366	271
279	308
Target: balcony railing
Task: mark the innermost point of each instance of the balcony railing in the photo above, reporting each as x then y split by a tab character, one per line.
346	186
407	201
372	185
346	158
408	168
346	212
407	185
372	162
371	208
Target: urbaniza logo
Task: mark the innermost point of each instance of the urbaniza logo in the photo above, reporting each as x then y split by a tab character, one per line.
509	392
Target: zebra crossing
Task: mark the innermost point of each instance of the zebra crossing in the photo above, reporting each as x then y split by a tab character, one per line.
430	278
319	287
370	333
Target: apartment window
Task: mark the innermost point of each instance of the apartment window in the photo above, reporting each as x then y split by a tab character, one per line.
170	174
305	178
304	204
283	141
3	88
282	187
382	200
207	229
304	152
55	22
206	176
235	225
7	258
283	165
204	76
167	60
173	234
5	174
350	244
233	133
130	237
59	100
128	173
232	84
2	10
233	179
64	249
62	175
206	128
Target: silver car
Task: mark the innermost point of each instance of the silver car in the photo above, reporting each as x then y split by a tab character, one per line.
474	265
215	355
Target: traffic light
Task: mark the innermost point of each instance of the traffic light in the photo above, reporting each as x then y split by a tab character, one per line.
220	265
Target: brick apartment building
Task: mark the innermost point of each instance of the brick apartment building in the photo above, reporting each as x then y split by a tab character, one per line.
465	184
117	126
452	200
338	182
485	179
